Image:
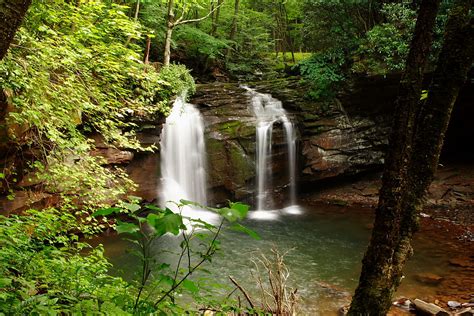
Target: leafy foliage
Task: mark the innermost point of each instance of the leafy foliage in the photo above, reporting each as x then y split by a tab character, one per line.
323	73
67	76
386	45
146	225
45	270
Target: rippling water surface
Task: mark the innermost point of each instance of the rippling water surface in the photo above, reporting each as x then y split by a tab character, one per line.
324	246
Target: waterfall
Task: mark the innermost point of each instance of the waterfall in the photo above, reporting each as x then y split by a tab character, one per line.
183	160
268	111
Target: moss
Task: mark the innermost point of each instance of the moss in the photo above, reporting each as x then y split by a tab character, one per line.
242	166
230	128
235	129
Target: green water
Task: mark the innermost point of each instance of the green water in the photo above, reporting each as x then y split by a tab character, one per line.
325	246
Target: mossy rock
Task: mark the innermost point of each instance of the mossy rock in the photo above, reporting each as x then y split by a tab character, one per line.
229	165
235	129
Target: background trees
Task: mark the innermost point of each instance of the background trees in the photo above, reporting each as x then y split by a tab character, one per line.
11	16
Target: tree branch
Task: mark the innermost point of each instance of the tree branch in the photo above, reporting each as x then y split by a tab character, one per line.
247	297
180	21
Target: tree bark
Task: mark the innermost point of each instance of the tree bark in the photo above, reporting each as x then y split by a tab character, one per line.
215	18
171	23
455	60
169	33
379	278
146	58
12	13
233	28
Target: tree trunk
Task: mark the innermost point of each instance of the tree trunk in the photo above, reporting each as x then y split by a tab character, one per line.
233	28
215	18
137	10
455	60
289	39
169	32
11	16
379	278
147	50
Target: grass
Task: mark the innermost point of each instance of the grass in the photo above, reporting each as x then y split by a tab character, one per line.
286	58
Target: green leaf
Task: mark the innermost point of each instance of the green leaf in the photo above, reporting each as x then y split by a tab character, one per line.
131	207
190	286
245	230
2	176
200	223
4	282
152	218
153	207
186	202
169	223
106	211
236	211
241	208
424	95
134	198
126	228
166	279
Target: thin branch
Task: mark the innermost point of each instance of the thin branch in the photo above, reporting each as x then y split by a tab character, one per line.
247	297
180	21
209	252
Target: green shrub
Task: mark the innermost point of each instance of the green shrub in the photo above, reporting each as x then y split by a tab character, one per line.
178	80
44	270
323	72
67	76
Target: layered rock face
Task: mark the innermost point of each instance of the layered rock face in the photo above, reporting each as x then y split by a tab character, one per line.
331	142
230	140
337	138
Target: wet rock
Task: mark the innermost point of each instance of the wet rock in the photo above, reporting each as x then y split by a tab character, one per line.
462	262
144	171
403	303
429	308
343	311
454	304
332	143
24	200
113	156
465	312
429	278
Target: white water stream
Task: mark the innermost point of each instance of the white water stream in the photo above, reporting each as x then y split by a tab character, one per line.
183	160
268	111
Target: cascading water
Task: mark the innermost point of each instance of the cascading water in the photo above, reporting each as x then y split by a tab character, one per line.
183	160
268	111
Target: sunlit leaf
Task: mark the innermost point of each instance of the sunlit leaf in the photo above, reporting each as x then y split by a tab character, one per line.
131	207
190	286
169	223
124	228
106	211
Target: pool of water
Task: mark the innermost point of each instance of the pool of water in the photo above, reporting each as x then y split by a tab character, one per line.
324	245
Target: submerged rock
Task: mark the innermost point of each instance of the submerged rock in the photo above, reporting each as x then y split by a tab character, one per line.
429	278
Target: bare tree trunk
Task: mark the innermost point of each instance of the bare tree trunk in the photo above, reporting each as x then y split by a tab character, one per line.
137	10
169	32
12	13
147	50
379	279
171	23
